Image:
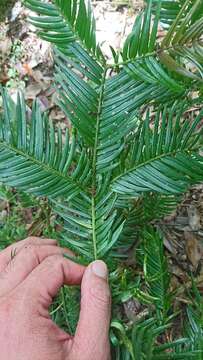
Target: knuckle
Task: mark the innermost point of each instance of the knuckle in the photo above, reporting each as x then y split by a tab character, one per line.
31	239
32	252
28	248
54	261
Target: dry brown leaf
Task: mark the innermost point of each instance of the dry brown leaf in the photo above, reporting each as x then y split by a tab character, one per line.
193	248
32	91
5	47
194	218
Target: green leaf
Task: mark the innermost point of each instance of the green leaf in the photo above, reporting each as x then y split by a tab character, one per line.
156	271
142	39
160	162
167	70
33	159
144	337
81	225
63	23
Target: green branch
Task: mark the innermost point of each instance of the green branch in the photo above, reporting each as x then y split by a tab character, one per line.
94	163
152	53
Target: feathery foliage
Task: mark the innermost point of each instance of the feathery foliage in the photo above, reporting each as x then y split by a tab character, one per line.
30	158
133	147
156	272
143	343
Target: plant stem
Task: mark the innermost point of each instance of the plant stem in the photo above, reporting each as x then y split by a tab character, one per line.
94	164
42	164
157	157
65	310
151	53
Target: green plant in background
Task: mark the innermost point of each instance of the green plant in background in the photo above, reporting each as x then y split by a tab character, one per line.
5	7
11	226
22	215
13	74
145	339
133	148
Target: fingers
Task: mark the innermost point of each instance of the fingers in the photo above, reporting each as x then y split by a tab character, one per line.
92	334
24	263
7	254
46	279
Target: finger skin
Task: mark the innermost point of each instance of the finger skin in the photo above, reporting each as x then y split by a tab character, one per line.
92	334
44	282
28	258
6	255
26	329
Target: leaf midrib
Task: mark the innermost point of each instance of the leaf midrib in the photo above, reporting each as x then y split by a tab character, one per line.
47	168
158	157
152	53
94	163
72	27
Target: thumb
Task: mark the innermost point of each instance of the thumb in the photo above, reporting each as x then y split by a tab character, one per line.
92	333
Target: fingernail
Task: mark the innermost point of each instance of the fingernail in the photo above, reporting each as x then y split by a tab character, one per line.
99	268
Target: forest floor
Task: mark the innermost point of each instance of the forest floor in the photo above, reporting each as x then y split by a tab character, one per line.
26	63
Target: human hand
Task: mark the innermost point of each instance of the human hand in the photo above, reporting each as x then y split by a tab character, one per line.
28	283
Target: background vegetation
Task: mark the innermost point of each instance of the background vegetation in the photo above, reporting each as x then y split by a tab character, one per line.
5	7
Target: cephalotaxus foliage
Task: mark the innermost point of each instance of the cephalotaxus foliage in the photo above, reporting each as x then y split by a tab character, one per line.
112	155
142	341
133	146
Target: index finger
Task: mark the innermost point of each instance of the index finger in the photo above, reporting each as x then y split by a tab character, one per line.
6	254
47	278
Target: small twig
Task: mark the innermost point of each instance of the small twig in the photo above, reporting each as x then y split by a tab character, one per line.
182	300
55	310
64	309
